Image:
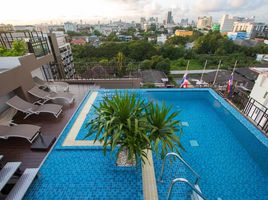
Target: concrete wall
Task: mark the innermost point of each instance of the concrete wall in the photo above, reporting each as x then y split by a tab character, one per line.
19	79
110	83
38	73
260	89
3	100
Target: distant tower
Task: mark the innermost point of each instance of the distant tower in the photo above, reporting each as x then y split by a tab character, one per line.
169	18
143	20
81	22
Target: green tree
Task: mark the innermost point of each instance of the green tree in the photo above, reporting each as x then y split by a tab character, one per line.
163	65
172	52
146	64
177	40
104	62
97	33
141	50
19	48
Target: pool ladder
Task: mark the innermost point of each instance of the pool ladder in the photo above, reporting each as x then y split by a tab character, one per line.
197	195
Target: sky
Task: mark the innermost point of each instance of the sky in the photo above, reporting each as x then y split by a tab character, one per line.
92	11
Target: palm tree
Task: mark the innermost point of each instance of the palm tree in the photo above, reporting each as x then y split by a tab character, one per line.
125	122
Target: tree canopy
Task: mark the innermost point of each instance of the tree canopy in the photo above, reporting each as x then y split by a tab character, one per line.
19	48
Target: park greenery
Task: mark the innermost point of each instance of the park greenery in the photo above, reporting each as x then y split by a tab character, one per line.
18	49
173	55
126	122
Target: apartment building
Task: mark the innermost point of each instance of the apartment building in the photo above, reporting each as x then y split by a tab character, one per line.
253	29
69	26
204	22
183	33
63	56
40	44
226	23
6	28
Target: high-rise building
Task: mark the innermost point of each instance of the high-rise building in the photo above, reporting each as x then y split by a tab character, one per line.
143	20
68	26
204	22
41	44
63	56
184	22
226	23
170	18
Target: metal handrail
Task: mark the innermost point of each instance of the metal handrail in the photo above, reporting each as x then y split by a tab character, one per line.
183	180
183	161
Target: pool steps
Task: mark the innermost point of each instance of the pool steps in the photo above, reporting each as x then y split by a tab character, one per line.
197	194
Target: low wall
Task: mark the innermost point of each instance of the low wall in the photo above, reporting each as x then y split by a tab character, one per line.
109	83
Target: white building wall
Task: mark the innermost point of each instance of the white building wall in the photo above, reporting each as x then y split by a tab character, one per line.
260	94
161	39
260	90
226	24
68	26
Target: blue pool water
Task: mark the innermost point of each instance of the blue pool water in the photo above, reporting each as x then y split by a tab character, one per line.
232	162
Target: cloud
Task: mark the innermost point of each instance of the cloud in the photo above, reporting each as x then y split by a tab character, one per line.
223	5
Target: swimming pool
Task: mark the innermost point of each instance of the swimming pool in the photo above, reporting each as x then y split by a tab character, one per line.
227	151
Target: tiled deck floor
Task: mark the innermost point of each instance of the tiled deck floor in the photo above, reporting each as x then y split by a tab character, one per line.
19	149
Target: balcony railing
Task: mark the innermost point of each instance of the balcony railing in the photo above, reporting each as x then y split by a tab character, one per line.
90	71
258	113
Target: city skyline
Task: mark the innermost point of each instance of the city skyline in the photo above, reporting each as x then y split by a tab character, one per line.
128	10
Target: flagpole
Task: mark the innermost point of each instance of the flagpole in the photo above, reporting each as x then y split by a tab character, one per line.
187	66
216	75
201	80
234	66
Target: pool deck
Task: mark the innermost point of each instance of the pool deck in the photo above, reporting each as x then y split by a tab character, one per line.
70	140
18	149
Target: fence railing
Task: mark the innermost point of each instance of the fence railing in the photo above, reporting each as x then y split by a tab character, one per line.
99	71
258	113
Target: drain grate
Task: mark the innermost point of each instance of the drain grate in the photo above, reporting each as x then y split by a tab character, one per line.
184	123
194	143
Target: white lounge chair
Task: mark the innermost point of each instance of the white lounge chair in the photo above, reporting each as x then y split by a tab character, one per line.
46	96
27	131
6	117
30	109
54	86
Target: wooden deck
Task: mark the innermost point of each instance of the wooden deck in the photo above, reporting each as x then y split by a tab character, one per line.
18	149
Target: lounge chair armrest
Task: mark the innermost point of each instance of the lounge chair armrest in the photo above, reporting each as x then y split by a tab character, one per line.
39	102
13	124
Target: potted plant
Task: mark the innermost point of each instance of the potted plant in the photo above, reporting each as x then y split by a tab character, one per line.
130	126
